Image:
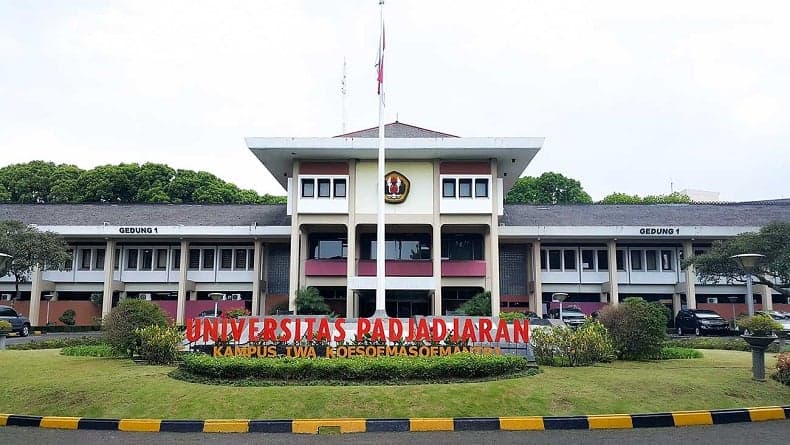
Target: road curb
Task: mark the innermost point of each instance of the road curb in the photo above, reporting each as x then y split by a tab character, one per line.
315	426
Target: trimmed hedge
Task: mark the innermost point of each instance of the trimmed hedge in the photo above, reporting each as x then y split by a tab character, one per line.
675	353
463	366
101	350
727	344
57	343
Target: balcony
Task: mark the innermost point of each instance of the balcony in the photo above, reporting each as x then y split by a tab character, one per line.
397	268
463	268
326	268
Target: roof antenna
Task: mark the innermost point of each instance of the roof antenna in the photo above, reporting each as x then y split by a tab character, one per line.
343	95
396	117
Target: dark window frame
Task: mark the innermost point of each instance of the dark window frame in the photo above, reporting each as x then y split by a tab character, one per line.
465	182
484	183
324	193
303	188
335	183
451	182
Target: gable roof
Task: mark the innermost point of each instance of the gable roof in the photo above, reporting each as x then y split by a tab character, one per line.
397	130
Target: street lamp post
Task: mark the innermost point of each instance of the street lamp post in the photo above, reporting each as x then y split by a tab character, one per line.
747	262
732	299
216	296
559	296
48	298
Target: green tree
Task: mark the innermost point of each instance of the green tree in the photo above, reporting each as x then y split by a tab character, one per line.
548	188
310	302
478	306
624	198
773	241
638	328
29	248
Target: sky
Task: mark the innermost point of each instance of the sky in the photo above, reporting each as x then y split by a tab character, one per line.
635	97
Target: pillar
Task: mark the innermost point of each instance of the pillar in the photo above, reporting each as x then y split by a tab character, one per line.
351	262
676	304
614	292
536	297
109	275
436	256
257	266
295	262
37	284
766	297
691	277
183	265
493	260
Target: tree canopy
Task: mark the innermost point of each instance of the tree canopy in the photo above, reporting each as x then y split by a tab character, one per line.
29	248
46	182
773	241
624	198
548	188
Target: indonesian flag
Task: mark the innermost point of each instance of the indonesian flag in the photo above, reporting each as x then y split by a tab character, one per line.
380	62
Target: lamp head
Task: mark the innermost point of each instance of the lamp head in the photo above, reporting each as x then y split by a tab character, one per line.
559	296
748	261
216	296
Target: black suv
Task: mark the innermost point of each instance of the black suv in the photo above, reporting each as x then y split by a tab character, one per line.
700	321
19	323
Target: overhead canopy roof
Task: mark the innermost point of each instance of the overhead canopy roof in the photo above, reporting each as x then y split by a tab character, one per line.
513	154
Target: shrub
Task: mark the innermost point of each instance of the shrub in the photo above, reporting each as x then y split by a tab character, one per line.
101	350
760	325
57	343
131	314
238	312
5	327
159	344
68	317
563	346
727	344
638	328
462	366
478	306
782	374
510	316
674	353
310	302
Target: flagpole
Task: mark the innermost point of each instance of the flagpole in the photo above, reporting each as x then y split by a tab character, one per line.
380	224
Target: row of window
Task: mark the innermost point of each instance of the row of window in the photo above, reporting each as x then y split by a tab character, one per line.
465	187
409	247
147	259
323	187
592	260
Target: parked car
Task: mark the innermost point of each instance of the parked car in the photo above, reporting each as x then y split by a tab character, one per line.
19	323
700	322
210	313
780	317
572	316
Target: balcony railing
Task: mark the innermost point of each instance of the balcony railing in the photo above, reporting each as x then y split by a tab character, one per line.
326	268
463	268
397	268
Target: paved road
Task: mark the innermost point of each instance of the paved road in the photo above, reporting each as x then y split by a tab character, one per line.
765	433
17	340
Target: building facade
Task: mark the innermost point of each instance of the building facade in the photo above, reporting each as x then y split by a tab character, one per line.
449	235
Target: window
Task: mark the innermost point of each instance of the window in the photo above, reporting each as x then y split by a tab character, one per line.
340	188
603	259
462	247
555	260
161	259
323	188
448	188
148	259
481	188
194	259
464	188
98	262
131	259
225	258
308	188
176	259
7	312
569	259
241	259
650	259
117	258
636	260
620	260
85	259
68	263
208	259
588	260
543	259
251	258
406	247
666	260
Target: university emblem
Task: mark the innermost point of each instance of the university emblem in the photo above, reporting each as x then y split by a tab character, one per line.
396	188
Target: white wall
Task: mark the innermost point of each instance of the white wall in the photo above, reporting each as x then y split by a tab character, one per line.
419	174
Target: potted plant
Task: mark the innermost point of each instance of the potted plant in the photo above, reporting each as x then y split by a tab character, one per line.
5	329
759	333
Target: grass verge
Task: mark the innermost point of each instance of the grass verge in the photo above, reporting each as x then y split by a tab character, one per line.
47	383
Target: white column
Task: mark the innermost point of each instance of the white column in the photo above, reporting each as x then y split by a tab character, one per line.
109	275
676	304
765	295
351	262
614	292
256	277
183	265
536	297
493	260
36	287
691	277
295	263
436	252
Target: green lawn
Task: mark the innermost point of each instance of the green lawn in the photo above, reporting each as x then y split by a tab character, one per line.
46	383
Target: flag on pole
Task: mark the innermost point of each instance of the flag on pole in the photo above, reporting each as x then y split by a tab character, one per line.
380	61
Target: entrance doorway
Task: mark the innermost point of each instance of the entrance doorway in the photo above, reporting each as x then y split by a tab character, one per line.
398	303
